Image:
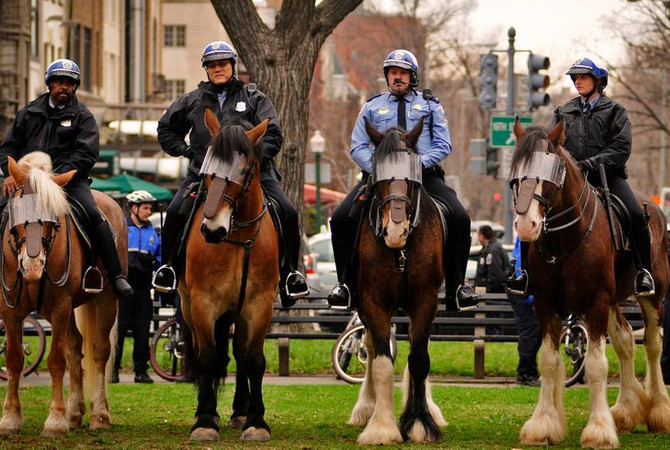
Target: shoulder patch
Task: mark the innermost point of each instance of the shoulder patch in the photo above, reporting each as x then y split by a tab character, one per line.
435	99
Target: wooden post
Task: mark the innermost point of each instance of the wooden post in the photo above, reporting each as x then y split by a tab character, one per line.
283	356
479	343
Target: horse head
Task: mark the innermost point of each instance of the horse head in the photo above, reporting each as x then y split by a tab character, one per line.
541	174
35	210
396	179
230	170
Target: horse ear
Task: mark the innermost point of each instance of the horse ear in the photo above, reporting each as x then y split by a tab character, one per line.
211	122
15	171
375	135
413	136
63	179
519	131
257	132
557	134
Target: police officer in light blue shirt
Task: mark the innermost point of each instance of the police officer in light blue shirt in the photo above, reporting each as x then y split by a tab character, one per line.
403	107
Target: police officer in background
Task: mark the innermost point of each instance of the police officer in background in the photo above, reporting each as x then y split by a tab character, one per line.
144	256
58	124
227	97
403	107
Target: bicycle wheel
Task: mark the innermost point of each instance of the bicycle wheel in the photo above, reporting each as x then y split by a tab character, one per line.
573	347
34	346
350	357
167	351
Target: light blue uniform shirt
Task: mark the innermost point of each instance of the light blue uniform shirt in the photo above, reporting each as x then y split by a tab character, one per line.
382	110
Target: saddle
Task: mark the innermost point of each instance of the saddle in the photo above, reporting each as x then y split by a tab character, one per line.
623	223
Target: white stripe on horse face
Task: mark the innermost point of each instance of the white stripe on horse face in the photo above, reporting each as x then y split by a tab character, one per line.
529	225
222	219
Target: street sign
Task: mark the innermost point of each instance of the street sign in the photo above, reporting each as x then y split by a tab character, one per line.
502	130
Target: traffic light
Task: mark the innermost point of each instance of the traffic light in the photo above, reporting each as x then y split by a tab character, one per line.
492	163
488	80
483	159
537	82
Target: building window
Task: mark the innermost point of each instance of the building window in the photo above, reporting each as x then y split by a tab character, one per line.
175	35
86	63
34	29
174	89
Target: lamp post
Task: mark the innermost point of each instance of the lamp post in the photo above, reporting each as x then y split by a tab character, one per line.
318	144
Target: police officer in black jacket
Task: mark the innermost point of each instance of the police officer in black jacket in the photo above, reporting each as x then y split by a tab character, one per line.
228	97
58	124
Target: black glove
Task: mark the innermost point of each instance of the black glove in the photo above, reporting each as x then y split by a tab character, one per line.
586	165
188	152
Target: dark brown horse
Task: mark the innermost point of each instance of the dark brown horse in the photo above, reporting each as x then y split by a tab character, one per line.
400	266
574	268
43	261
231	275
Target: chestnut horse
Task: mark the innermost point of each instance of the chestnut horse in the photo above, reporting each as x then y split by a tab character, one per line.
575	268
400	266
231	275
43	262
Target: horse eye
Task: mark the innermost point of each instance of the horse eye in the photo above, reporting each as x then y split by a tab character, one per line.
245	171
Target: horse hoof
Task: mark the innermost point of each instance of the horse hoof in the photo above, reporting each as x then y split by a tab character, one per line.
237	422
204	434
6	431
255	434
100	421
54	432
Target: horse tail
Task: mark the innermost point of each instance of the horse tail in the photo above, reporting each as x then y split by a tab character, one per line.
86	318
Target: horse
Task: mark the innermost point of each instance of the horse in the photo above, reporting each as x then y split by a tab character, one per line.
43	262
574	267
230	276
399	266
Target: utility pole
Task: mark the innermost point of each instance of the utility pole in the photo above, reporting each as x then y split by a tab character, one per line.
508	218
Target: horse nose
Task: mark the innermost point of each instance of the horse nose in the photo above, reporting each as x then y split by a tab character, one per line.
213	236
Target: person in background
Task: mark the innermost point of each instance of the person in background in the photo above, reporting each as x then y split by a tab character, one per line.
135	313
492	268
528	330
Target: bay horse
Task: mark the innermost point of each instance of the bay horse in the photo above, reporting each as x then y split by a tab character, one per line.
575	268
400	266
230	276
43	262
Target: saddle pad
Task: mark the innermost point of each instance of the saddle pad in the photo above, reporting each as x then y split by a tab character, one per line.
443	212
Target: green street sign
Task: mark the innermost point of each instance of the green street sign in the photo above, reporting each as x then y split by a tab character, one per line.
502	130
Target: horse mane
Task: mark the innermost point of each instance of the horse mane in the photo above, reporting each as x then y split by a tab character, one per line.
232	138
527	145
52	201
389	145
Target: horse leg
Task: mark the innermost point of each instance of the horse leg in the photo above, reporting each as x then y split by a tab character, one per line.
382	427
98	322
76	407
365	405
55	424
255	428
658	420
241	397
418	422
206	426
632	404
12	418
600	431
547	425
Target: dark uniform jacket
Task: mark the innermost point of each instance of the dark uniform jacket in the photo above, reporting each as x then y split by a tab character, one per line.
186	115
69	135
602	136
492	267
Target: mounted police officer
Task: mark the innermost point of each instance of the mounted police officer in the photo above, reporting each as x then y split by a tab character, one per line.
58	124
227	96
144	256
598	131
403	107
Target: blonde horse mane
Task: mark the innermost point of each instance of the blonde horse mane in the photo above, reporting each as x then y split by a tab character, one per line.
52	201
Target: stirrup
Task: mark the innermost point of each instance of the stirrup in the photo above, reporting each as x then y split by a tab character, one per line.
299	282
468	303
521	287
93	276
335	300
165	270
639	278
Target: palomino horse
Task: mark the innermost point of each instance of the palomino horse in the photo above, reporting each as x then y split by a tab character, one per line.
43	262
231	275
574	268
400	266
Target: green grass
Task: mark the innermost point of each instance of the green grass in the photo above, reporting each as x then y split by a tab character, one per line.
306	417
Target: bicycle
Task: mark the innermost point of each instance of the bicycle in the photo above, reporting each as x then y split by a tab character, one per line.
573	347
349	355
167	351
34	346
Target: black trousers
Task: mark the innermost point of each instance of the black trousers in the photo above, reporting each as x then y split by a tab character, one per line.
135	314
530	337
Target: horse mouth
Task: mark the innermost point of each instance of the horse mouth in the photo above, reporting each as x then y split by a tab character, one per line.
31	268
395	236
213	236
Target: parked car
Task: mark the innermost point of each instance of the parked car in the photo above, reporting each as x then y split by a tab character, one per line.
322	249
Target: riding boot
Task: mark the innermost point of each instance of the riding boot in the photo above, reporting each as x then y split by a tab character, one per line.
293	285
459	295
644	282
104	244
341	295
165	278
517	283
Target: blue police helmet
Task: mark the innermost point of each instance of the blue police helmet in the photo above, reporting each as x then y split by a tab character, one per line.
218	50
406	60
589	66
63	68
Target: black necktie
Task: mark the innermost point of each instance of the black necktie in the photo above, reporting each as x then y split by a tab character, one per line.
402	117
